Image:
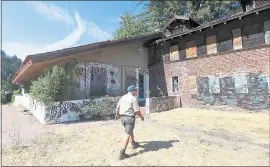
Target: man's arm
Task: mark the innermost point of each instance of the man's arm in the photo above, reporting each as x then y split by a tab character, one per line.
136	108
117	114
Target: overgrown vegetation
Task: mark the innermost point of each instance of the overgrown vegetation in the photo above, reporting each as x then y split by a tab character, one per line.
10	65
54	84
157	14
100	108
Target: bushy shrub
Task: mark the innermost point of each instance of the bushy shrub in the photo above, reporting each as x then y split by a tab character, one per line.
100	108
3	98
53	85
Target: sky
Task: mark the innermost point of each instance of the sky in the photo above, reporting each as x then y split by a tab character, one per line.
30	27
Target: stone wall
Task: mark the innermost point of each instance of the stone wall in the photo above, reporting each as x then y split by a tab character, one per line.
159	104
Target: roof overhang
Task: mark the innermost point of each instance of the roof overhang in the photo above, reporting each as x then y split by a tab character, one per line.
213	24
36	63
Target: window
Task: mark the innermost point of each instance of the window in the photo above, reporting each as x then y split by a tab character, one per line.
237	39
174	53
192	84
191	49
175	84
214	86
211	44
241	84
267	32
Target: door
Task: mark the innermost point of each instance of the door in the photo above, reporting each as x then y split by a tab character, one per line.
98	85
141	86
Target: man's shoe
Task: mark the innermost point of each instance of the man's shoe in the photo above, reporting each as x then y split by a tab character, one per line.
135	145
123	156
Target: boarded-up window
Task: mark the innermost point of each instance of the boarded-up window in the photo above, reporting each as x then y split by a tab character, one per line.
241	85
214	86
211	44
253	35
192	84
237	39
267	31
174	53
191	49
224	41
201	47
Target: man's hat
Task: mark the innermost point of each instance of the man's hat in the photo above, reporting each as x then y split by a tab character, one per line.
131	88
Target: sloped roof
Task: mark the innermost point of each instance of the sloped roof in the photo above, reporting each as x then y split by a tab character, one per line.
177	17
31	60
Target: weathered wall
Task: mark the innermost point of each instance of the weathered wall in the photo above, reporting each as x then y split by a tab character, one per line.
67	111
207	60
99	79
159	104
252	64
132	55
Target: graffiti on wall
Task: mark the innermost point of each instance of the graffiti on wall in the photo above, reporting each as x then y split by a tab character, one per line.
81	109
130	76
214	86
97	79
247	91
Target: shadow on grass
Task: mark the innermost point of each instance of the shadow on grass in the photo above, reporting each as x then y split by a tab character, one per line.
154	146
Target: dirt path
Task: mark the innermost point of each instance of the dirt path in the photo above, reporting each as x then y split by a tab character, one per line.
177	137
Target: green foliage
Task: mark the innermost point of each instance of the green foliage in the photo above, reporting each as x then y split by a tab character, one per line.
54	84
131	26
100	108
3	98
158	13
10	65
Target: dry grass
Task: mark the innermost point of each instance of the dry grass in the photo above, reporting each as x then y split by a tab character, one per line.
177	137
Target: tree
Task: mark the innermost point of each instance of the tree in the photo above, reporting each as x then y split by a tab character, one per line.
131	26
158	13
55	84
10	65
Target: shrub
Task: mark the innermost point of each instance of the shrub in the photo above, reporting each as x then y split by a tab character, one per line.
3	98
100	108
55	84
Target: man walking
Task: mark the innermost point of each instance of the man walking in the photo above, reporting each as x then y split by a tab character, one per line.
127	108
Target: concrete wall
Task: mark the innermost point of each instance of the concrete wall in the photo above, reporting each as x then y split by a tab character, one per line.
35	107
132	55
67	111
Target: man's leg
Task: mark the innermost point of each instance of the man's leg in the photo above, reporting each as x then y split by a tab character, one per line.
132	141
125	143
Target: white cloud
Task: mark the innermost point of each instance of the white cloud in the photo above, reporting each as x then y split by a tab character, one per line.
55	13
52	12
22	50
96	33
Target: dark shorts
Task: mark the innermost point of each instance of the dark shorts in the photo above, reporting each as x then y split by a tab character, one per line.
129	123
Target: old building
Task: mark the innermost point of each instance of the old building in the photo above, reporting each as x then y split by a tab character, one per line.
103	68
225	61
